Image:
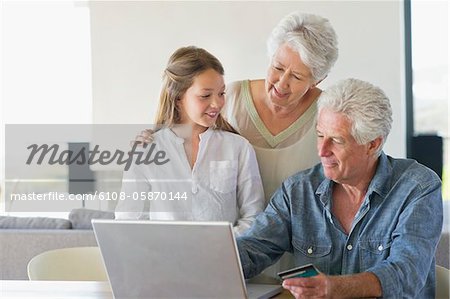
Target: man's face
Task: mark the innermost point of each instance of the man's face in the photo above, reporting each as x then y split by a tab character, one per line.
343	159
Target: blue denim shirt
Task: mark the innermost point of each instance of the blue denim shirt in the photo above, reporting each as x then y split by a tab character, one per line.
394	233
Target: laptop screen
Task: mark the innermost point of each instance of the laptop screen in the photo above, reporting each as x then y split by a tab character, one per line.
150	259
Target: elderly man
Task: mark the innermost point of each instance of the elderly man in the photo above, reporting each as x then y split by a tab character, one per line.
370	223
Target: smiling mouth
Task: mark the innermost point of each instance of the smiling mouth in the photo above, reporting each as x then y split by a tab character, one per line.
212	114
279	94
328	163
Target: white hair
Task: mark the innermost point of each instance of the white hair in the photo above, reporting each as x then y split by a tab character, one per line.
365	105
312	37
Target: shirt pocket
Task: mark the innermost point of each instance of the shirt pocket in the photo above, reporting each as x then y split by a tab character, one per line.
223	176
374	251
316	252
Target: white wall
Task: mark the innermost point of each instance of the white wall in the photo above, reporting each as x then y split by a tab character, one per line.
131	42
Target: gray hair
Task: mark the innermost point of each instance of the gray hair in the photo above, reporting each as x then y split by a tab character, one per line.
312	37
365	105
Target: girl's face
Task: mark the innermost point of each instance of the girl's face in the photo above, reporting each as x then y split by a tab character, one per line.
288	78
201	104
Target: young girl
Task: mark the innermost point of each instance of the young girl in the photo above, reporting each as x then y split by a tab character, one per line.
208	171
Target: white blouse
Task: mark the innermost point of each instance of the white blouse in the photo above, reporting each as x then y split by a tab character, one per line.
223	185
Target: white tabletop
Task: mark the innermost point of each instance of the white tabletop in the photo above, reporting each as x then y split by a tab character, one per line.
55	289
26	289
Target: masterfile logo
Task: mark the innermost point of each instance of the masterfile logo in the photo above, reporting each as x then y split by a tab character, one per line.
55	168
52	155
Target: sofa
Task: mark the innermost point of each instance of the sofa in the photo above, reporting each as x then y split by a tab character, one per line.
22	238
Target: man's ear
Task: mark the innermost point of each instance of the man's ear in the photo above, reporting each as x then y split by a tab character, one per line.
374	145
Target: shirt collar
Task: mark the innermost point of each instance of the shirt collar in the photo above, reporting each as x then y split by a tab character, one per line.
380	181
206	135
378	184
203	136
172	134
324	190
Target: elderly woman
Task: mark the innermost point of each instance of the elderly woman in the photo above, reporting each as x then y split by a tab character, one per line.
277	114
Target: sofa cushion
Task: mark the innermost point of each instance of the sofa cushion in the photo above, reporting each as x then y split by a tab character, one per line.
19	246
9	222
81	218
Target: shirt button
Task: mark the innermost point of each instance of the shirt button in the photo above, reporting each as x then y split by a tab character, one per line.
194	188
349	247
380	248
310	250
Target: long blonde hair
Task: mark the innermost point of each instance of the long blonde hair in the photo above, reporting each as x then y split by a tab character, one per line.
184	65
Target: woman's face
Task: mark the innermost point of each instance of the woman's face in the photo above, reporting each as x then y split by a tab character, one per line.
288	78
201	104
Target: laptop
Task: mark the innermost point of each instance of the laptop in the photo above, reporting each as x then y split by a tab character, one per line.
173	259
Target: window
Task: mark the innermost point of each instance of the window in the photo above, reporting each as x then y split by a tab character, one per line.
429	53
46	67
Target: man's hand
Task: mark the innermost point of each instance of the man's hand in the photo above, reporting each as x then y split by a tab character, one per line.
361	285
311	287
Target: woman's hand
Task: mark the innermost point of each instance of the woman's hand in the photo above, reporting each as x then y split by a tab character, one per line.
144	137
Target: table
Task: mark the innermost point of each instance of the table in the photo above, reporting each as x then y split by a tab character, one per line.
26	289
55	289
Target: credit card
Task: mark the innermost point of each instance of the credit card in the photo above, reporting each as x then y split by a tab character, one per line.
302	271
